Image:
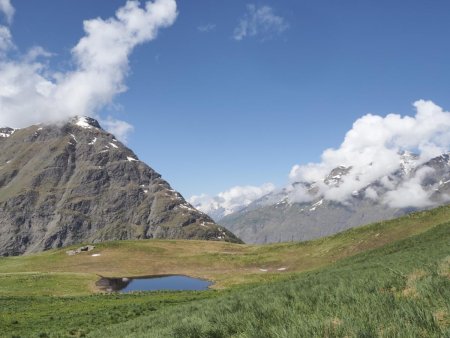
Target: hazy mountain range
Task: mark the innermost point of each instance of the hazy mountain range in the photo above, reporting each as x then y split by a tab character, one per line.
303	211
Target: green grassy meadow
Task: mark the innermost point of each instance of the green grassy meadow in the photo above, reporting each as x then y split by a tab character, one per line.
401	290
390	279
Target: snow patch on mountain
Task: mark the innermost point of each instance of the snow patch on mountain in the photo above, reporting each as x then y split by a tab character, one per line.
7	132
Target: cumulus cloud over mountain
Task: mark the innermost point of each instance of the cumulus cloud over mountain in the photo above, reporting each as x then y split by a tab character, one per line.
373	151
231	200
30	92
375	148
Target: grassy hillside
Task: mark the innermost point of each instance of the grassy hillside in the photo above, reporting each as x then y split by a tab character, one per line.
400	290
382	279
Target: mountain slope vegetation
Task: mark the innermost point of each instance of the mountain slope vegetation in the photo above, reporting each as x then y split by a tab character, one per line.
400	290
378	280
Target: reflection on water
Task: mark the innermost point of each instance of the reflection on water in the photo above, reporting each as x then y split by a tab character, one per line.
153	283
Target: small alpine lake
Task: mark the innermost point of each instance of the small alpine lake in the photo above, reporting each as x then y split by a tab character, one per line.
153	283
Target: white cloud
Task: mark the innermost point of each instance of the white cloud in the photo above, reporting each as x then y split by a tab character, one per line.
118	128
371	193
206	28
36	52
299	194
260	22
30	92
373	149
231	200
410	193
7	9
5	41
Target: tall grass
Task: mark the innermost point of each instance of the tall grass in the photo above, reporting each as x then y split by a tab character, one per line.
401	290
44	316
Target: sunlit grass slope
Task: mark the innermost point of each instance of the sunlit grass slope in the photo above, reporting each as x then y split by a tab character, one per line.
399	290
388	279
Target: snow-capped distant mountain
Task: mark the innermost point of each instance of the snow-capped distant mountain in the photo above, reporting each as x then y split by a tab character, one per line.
230	201
408	162
278	217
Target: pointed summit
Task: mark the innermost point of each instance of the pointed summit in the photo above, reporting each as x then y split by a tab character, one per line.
76	183
86	122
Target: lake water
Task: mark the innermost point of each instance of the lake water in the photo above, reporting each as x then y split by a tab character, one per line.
154	283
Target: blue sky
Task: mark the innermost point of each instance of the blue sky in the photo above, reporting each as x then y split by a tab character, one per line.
210	112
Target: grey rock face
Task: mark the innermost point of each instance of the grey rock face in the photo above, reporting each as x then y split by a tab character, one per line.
273	218
336	175
75	183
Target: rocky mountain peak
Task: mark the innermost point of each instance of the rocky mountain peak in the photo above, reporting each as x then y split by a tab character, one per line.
76	183
6	132
85	122
336	175
440	161
280	216
408	162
